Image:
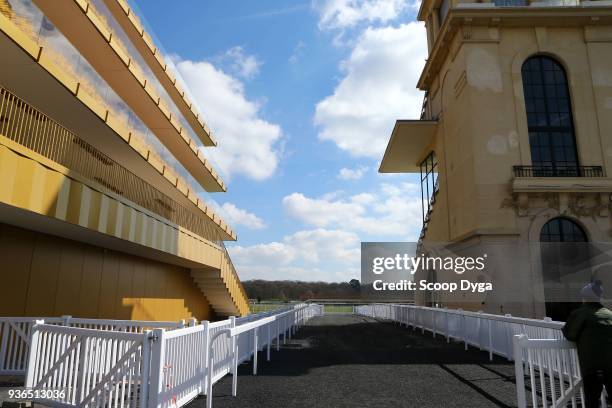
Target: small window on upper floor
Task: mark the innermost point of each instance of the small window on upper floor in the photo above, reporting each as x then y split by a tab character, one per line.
443	11
429	183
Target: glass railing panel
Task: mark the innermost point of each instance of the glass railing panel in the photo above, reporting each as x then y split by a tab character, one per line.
166	102
33	23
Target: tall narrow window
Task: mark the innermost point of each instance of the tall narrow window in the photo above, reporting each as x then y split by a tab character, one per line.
549	118
429	183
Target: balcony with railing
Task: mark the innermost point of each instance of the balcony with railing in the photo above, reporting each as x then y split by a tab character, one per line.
149	108
463	4
27	126
558	171
560	178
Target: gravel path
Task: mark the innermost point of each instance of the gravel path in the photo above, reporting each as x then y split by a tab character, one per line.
352	361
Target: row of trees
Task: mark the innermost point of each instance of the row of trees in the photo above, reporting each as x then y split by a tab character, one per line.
297	290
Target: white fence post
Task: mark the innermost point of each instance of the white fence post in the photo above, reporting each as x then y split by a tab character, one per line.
269	341
255	350
4	332
234	367
464	331
509	344
156	383
490	340
66	320
30	373
446	325
206	345
518	370
433	323
277	334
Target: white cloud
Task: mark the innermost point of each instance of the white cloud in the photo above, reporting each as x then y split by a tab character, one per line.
394	211
297	52
235	216
309	255
348	13
244	65
247	143
379	86
352	174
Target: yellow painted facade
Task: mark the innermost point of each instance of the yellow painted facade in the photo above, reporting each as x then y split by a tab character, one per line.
102	225
53	277
475	100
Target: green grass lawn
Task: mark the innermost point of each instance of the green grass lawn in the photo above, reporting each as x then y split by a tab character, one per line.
266	307
338	309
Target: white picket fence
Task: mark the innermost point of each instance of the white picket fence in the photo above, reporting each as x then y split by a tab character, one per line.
15	333
138	367
246	339
489	332
537	347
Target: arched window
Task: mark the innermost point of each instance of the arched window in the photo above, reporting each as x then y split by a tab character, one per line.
549	118
565	265
562	230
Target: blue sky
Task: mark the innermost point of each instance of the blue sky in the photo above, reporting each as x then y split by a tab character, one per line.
302	97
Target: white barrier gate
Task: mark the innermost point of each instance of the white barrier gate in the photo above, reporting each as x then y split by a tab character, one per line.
15	335
84	367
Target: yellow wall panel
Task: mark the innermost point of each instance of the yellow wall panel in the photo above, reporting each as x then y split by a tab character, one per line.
37	188
108	285
89	293
69	280
73	208
93	210
23	186
44	271
8	169
51	192
124	288
50	276
16	254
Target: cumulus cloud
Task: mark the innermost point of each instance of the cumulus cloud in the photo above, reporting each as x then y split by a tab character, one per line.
378	87
247	142
352	174
244	65
311	255
235	216
393	211
338	14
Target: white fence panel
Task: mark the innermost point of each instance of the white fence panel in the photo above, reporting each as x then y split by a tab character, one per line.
129	326
15	335
553	373
88	367
221	350
178	367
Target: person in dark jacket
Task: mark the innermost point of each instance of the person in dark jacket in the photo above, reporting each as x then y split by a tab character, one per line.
590	327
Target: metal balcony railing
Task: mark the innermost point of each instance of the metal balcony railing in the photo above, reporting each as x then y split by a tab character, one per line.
511	3
558	171
31	128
